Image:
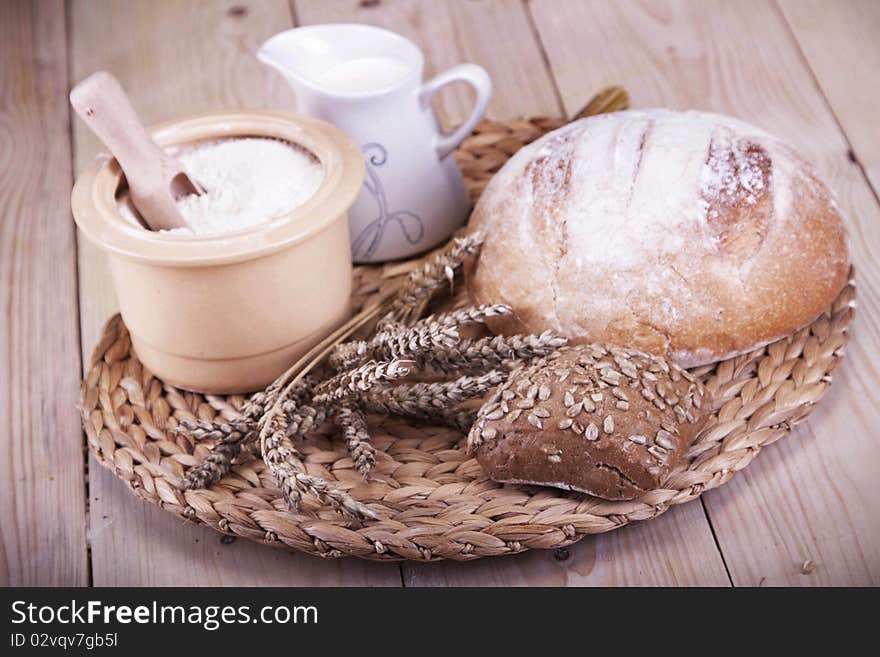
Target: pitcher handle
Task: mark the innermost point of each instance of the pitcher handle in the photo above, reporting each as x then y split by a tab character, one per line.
479	79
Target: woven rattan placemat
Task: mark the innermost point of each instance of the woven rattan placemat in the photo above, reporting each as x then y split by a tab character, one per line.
433	501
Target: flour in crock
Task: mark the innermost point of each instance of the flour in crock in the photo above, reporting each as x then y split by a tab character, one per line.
248	181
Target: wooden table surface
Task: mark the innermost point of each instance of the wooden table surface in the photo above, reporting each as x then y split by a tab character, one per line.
806	512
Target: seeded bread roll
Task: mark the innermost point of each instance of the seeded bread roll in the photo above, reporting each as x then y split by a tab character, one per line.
605	421
690	235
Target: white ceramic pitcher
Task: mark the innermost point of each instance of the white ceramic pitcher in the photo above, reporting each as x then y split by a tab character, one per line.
368	82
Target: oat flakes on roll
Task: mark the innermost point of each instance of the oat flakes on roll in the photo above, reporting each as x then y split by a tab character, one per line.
601	420
690	235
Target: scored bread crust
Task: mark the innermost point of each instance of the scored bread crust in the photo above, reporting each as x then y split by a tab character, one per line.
691	235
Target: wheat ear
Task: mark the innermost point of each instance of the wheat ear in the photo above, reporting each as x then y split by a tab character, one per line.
357	438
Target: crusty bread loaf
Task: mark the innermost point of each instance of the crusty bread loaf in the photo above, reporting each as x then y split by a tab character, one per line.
606	421
687	234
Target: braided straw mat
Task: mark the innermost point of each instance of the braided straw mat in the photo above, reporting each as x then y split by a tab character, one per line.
434	502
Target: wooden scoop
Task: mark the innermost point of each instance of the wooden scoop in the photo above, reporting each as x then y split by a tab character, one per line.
155	178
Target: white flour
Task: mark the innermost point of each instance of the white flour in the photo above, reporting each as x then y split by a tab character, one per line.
248	181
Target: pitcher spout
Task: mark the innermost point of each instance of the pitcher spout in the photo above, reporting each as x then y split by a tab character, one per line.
275	53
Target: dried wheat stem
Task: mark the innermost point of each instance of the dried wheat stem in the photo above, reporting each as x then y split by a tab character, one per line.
233	435
275	447
357	438
291	490
298	372
249	419
284	460
425	281
256	403
299	392
350	354
246	423
427	399
469	315
276	452
293	405
285	463
229	436
496	352
333	497
359	380
398	342
302	419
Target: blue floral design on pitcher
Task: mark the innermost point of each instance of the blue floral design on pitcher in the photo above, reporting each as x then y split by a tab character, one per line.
409	223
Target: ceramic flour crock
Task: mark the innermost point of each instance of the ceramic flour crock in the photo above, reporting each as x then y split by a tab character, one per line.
228	313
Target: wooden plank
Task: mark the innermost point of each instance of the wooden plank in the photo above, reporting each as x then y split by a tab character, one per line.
176	58
807	498
42	515
498	36
841	47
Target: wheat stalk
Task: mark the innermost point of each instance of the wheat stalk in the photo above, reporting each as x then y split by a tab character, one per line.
469	315
359	380
496	352
427	400
364	370
357	438
438	272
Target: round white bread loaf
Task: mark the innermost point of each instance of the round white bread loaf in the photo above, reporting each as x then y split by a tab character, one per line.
685	234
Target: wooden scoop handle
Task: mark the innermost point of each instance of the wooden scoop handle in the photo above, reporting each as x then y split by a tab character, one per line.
103	105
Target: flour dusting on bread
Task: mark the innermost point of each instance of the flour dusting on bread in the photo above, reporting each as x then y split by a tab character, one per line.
681	233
